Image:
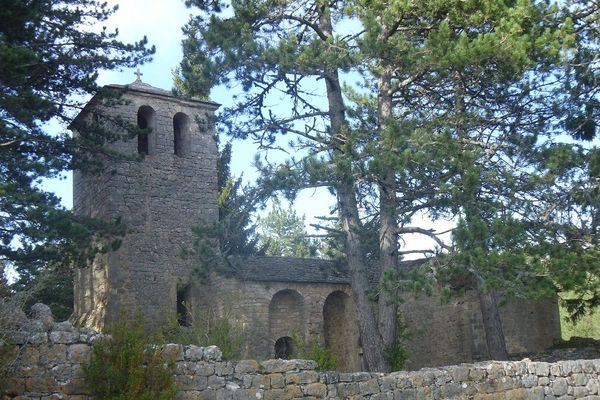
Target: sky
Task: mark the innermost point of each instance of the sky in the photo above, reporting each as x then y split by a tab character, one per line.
161	21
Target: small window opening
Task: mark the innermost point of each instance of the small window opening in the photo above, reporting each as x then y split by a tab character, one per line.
180	134
284	348
145	120
184	315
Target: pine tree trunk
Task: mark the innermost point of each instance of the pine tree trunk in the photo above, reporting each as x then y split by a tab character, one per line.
492	324
372	345
388	239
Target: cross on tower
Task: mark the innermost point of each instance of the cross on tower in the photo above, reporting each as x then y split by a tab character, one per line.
138	74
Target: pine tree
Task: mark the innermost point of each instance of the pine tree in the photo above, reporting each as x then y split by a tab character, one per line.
282	233
49	59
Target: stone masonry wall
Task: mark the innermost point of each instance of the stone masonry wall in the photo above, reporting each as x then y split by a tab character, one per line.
52	356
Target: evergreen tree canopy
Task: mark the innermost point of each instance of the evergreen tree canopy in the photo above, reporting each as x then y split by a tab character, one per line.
282	233
451	117
50	55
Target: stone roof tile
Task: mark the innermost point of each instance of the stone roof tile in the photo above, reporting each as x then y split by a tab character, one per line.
289	269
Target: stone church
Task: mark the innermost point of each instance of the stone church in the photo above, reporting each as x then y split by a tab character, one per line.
275	300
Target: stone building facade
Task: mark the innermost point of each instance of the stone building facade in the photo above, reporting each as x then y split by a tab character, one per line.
276	301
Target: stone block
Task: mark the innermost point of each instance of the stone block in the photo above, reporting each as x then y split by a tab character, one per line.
188	395
193	353
529	381
79	353
172	352
42	313
593	386
247	366
304	364
52	355
270	366
369	387
75	386
260	382
316	389
191	382
201	368
555	369
216	382
578	379
579	392
588	366
387	383
540	368
559	386
347	389
301	378
63	337
495	370
276	381
459	373
40	383
451	390
212	353
224	368
64	326
476	374
329	377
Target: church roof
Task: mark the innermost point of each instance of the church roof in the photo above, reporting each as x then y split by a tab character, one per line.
289	269
302	270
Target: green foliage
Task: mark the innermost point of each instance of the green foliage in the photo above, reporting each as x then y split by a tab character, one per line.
235	231
586	326
127	365
325	358
282	233
50	61
207	329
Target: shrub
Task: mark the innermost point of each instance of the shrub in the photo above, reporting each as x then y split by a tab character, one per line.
125	365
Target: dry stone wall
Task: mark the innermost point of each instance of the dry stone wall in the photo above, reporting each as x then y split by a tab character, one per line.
52	356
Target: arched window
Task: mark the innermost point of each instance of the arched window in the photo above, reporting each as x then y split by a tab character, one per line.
145	120
181	124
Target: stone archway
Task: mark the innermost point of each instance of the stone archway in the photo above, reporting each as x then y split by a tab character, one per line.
286	315
340	326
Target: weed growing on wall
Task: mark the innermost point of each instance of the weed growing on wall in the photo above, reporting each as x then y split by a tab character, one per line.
325	358
125	366
397	353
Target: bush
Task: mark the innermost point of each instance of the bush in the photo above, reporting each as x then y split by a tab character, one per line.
125	365
207	329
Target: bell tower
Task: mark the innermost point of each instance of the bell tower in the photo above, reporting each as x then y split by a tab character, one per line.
163	186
